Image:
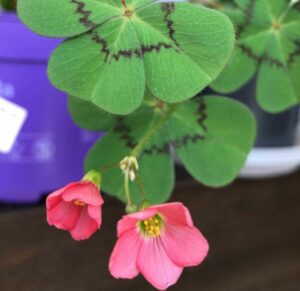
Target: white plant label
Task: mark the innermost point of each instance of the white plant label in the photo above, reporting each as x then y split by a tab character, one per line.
12	118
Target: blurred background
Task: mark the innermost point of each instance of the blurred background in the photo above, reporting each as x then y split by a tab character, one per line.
252	225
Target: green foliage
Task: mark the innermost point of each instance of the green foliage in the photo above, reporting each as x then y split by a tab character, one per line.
8	4
88	116
115	58
112	54
156	168
268	45
210	135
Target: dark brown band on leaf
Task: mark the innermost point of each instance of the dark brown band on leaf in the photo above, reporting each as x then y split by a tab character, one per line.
202	114
248	12
168	9
187	138
296	53
248	51
139	52
260	59
85	14
134	52
176	143
104	45
124	131
273	62
155	149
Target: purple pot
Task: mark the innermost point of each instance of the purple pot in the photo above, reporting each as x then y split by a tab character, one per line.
50	149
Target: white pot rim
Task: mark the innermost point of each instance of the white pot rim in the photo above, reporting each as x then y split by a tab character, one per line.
271	162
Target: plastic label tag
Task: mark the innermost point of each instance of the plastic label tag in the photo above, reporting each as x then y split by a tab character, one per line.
12	118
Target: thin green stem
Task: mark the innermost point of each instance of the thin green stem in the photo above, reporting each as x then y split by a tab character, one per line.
140	184
145	139
126	188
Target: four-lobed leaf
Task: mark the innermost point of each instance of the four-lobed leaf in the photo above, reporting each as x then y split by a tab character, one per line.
113	53
268	45
211	137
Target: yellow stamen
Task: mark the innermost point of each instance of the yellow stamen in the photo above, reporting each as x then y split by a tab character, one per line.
152	226
78	203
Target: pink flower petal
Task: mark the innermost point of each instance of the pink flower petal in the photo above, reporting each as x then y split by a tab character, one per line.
85	227
154	263
95	213
186	246
64	215
174	213
54	198
130	221
83	191
122	263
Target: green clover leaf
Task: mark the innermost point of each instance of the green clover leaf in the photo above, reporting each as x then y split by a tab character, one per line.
156	167
210	135
112	53
268	45
88	116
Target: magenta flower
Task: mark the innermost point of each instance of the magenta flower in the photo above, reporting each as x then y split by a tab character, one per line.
157	242
76	208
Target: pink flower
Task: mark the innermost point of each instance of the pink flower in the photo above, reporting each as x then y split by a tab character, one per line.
157	242
76	208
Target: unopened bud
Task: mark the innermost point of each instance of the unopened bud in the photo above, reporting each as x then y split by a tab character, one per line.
129	166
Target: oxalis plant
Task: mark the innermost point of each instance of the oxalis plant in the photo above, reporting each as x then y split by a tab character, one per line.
134	69
268	47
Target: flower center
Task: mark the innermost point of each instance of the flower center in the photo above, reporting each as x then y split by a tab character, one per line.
78	203
128	12
152	226
276	25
